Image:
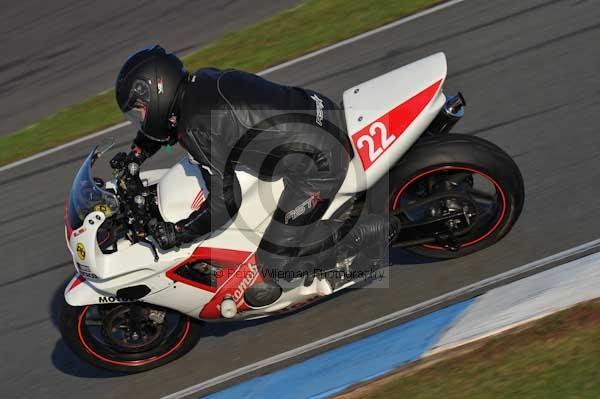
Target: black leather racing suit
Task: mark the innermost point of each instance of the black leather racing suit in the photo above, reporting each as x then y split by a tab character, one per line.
231	119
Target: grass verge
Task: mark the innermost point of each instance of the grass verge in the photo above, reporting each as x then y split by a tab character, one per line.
556	357
311	25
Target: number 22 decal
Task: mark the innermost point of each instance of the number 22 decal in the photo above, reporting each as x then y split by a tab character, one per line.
375	150
372	140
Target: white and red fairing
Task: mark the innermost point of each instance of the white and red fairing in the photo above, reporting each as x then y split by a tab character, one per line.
384	116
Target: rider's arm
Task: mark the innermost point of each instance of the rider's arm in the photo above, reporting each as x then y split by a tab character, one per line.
211	151
144	148
220	207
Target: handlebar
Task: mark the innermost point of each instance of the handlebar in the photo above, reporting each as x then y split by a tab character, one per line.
133	196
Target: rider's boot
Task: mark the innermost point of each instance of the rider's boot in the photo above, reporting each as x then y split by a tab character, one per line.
369	238
321	256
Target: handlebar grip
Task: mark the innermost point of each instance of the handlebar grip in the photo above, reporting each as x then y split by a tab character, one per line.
119	161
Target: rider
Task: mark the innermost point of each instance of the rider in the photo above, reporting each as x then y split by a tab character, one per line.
227	119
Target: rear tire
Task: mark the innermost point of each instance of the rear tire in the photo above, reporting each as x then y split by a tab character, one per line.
461	154
79	338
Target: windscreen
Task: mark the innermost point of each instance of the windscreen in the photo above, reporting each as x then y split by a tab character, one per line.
86	196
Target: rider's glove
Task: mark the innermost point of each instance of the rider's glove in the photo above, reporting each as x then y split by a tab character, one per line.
118	161
121	160
166	235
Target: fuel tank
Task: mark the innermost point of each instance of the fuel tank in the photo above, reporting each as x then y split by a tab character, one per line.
182	190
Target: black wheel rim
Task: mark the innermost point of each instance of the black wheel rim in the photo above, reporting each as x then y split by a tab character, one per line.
106	334
460	187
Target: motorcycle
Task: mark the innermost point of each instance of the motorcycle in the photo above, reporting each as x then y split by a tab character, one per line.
132	307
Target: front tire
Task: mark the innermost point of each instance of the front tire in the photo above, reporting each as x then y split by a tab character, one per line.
444	161
96	334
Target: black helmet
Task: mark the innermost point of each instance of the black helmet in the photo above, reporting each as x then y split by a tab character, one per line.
146	90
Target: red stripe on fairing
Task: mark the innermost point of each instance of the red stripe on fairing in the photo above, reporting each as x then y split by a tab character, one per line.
229	259
237	273
396	122
198	201
80	279
196	207
235	285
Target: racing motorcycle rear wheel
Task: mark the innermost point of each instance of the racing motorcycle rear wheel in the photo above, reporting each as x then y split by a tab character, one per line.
127	337
461	193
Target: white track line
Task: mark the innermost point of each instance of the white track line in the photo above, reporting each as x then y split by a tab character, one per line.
63	146
446	298
265	72
353	39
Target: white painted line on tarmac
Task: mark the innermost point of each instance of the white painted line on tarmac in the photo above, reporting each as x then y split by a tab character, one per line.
362	36
63	146
446	298
265	72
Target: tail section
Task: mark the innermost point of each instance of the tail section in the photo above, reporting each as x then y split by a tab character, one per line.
387	114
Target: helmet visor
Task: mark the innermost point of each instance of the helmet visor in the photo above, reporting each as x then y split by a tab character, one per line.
138	104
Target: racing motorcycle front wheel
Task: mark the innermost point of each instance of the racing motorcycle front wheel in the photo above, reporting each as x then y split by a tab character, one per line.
127	337
455	194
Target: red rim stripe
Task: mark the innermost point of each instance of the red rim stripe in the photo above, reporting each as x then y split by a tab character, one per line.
498	187
133	362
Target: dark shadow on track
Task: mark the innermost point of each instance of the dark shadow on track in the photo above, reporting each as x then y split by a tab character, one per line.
58	298
67	362
400	257
62	358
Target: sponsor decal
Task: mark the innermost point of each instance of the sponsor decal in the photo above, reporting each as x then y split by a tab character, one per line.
378	136
159	83
86	272
319	109
246	282
113	299
80	249
104	209
301	209
88	275
85	268
79	232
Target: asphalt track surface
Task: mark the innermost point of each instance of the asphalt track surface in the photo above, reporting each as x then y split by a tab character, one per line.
58	52
529	71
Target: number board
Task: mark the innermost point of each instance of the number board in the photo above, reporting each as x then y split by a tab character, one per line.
378	136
